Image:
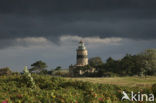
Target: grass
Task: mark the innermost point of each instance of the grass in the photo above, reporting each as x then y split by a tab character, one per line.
122	81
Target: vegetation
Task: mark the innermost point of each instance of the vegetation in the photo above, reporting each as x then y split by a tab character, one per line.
95	61
120	81
38	66
50	89
142	64
154	89
39	87
28	79
58	68
5	71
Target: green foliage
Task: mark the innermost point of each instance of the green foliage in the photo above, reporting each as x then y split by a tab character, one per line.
109	74
38	66
58	68
154	89
28	79
149	60
95	61
5	71
60	72
141	64
85	86
59	90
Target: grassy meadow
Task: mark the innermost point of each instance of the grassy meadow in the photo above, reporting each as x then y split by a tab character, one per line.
145	82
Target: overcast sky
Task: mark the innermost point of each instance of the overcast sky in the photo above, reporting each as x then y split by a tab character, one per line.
50	30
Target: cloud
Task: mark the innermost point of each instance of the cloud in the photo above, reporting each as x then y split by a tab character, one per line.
25	42
32	41
134	19
55	6
67	40
91	40
70	40
123	24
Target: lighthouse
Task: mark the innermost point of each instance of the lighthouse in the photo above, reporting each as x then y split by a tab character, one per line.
81	61
82	55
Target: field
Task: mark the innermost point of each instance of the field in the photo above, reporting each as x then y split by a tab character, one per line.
122	81
49	89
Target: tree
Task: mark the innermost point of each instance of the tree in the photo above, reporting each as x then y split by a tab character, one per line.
149	61
95	61
110	65
38	66
58	68
129	65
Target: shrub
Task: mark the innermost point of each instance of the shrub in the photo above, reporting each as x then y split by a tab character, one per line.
85	86
110	74
28	79
154	89
5	71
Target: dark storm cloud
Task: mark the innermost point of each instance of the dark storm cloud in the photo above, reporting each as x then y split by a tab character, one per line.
48	6
52	18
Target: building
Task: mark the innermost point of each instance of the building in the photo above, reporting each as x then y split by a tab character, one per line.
82	55
81	61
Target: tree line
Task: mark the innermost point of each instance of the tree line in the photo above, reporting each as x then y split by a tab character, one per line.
141	64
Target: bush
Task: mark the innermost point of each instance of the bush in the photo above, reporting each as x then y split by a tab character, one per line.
5	71
28	79
85	86
110	74
154	89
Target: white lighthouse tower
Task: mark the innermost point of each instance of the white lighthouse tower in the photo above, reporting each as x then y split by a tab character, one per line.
82	55
81	61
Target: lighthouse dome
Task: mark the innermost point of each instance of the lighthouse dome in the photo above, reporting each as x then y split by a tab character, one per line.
81	46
